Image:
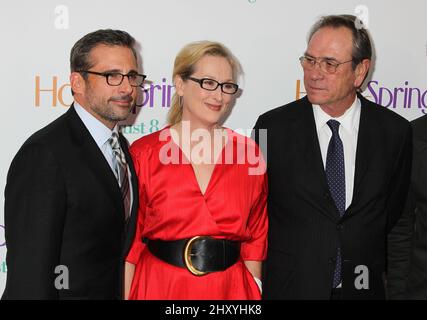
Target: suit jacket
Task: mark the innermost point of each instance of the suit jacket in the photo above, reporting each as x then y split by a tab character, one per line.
407	272
63	207
305	228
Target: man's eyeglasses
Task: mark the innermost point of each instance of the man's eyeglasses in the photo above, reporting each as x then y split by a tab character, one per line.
327	65
116	78
211	85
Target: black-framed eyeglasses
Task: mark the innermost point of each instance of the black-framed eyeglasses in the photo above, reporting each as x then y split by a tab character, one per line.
327	65
116	78
211	85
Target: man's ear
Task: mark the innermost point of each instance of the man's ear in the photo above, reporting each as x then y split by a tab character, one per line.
361	72
77	83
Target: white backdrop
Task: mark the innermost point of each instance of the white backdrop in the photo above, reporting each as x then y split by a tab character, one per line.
267	36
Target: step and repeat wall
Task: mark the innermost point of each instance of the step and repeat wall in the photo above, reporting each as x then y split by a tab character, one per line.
267	36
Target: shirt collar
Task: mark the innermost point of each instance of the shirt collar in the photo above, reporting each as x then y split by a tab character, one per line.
99	132
348	120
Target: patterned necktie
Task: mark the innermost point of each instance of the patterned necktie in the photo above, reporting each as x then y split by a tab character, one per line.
335	174
121	171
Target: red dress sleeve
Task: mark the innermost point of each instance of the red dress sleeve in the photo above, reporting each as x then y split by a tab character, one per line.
256	247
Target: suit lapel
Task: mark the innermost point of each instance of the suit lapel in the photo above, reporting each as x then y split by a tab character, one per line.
308	144
367	146
89	151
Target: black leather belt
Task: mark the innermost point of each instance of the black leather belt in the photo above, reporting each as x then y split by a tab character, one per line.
200	255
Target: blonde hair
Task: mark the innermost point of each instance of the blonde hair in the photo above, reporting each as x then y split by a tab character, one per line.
184	66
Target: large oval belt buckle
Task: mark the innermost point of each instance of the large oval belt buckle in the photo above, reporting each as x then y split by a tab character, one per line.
187	257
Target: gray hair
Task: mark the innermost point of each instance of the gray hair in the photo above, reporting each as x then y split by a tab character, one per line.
362	47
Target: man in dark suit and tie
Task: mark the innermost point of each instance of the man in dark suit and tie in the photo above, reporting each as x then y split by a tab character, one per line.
338	170
407	254
71	193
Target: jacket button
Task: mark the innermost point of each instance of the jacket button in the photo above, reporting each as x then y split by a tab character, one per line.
331	260
326	195
340	227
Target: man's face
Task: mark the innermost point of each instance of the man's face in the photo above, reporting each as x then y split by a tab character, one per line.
337	91
109	104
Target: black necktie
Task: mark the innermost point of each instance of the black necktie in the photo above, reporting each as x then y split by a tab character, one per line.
335	173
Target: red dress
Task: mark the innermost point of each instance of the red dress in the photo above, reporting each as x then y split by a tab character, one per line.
172	207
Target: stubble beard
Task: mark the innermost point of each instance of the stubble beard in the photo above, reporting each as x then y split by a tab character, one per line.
106	109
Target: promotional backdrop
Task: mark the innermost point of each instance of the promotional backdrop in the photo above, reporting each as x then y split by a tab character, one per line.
267	36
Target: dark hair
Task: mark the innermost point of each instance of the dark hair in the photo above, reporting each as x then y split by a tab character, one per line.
79	55
362	48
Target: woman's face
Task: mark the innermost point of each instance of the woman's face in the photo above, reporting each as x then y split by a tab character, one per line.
202	107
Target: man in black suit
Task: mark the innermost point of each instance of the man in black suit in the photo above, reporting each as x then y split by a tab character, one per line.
71	193
338	170
407	264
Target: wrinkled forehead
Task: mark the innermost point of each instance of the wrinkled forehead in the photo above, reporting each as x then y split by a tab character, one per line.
214	65
118	58
331	43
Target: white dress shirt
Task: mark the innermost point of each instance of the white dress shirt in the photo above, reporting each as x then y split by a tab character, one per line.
348	131
100	133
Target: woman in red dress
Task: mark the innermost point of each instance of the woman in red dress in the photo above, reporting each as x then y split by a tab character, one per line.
202	221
